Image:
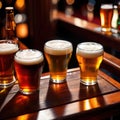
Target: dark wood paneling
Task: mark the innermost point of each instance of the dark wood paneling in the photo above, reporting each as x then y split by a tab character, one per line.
40	27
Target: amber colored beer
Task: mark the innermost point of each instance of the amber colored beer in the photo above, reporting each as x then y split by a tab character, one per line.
7	51
28	66
58	54
89	56
106	14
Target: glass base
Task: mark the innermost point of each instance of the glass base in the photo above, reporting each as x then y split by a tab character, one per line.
28	92
106	31
57	81
88	83
5	85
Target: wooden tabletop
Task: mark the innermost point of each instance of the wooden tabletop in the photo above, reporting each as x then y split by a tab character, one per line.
70	100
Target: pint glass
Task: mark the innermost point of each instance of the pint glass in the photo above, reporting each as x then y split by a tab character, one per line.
7	50
58	54
106	14
89	56
28	66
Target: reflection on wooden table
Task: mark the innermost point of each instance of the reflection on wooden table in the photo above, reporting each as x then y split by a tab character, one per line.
70	100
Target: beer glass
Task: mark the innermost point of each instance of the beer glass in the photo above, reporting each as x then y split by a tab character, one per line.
106	14
7	50
28	66
58	54
89	56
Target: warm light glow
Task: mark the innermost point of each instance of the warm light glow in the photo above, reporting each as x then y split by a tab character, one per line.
20	18
89	104
22	30
86	105
53	14
90	16
70	2
115	17
2	90
95	103
69	10
21	99
90	7
56	87
80	23
20	4
0	4
24	117
54	1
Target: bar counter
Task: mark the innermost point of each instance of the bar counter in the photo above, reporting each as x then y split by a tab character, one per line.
86	30
70	100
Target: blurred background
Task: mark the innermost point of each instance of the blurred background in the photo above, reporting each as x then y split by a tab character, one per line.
35	20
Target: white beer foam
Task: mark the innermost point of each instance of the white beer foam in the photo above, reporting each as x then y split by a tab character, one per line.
9	8
58	47
106	6
89	49
29	57
8	48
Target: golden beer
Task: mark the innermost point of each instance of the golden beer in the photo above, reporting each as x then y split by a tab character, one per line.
7	51
28	66
89	56
106	13
58	54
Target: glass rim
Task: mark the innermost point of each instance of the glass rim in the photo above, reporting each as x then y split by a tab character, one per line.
28	58
9	8
7	41
8	47
41	54
106	4
58	40
95	43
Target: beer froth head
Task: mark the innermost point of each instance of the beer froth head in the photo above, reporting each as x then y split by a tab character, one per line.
89	49
106	6
29	57
7	47
58	47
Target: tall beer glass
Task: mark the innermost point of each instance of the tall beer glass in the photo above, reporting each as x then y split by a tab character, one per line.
7	50
58	54
28	66
89	56
106	13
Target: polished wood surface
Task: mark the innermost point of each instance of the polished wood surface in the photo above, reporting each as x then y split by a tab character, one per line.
41	27
70	100
111	64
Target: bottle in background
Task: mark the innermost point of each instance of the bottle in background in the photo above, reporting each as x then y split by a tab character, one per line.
10	25
118	21
114	19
